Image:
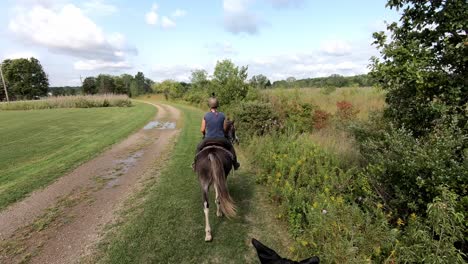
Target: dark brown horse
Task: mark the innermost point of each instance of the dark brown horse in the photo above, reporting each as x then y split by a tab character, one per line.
213	165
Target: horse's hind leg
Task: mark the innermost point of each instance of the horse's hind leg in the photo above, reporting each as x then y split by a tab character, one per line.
218	209
206	210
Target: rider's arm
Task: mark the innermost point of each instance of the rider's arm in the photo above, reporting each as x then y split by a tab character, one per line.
225	126
203	127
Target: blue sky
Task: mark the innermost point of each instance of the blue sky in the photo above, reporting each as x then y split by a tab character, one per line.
167	39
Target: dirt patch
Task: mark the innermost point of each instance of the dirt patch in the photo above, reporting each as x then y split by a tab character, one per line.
104	182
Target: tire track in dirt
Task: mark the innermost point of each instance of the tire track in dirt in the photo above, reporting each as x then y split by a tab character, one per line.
58	223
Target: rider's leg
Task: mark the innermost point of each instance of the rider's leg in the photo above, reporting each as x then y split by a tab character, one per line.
230	147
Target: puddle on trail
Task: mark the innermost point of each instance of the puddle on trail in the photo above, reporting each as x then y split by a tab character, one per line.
160	125
122	166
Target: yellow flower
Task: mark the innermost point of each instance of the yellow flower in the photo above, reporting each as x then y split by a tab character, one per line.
304	243
278	174
292	249
379	205
413	216
315	205
339	200
400	222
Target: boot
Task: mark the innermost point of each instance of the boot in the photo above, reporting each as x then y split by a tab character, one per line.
236	165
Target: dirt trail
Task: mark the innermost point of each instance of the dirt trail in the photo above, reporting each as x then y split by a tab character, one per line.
59	223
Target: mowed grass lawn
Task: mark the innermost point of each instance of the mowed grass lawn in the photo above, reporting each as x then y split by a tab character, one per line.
37	147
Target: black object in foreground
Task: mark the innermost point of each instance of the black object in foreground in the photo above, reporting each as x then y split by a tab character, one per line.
269	256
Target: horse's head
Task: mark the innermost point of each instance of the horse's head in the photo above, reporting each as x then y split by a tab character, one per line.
269	256
231	132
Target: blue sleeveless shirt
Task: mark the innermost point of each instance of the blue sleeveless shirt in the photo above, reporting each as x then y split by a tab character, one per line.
214	125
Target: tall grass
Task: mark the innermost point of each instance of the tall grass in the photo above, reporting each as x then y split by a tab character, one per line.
79	101
366	100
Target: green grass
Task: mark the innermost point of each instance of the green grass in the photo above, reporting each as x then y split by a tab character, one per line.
168	227
39	146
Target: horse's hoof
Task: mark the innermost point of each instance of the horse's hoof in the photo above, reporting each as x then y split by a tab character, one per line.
208	238
219	214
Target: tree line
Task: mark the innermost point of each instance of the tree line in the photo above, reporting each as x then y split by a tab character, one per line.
26	79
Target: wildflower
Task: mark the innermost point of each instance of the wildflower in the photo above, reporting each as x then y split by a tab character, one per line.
315	205
304	243
413	216
400	222
379	205
324	211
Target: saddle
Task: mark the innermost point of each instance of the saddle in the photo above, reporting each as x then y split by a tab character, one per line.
215	144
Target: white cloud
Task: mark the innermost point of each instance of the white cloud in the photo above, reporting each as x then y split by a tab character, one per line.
67	30
167	22
336	48
179	73
221	48
179	13
91	65
286	3
19	55
238	19
99	7
152	16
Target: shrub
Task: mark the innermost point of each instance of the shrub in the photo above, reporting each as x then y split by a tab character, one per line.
321	119
255	118
318	200
408	171
345	111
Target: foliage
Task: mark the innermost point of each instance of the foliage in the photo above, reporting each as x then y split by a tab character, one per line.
87	101
25	78
229	82
408	171
321	119
105	84
66	90
443	222
260	82
89	86
318	200
199	80
255	118
332	81
345	111
171	89
423	67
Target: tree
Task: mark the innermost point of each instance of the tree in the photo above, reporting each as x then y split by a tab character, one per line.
260	81
105	84
199	79
229	82
25	78
423	66
89	85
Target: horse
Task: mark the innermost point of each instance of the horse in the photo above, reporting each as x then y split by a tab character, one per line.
213	164
231	132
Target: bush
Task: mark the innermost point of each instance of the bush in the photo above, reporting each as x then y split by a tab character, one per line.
408	171
321	119
318	200
255	118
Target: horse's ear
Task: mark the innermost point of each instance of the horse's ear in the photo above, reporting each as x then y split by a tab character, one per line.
265	254
312	260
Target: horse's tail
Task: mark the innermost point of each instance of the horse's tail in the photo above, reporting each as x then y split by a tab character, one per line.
226	203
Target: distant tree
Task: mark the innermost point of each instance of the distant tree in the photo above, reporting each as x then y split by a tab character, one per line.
291	82
105	84
127	80
199	79
260	81
119	85
89	86
25	78
423	66
229	82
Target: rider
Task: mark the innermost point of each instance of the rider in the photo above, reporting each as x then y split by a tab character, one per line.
215	123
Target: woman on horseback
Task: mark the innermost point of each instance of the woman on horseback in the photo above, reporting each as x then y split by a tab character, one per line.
214	129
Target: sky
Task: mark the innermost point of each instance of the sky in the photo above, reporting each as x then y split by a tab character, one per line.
167	39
